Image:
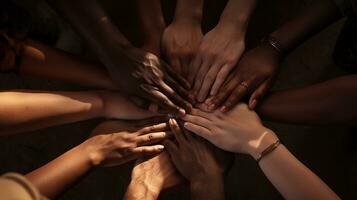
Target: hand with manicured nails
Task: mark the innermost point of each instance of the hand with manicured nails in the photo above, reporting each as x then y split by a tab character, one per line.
254	74
180	42
144	75
239	130
219	51
117	142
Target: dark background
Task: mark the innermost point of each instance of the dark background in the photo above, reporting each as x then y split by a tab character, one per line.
330	151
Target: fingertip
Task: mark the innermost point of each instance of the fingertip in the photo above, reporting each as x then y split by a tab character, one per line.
253	104
160	147
223	109
181	112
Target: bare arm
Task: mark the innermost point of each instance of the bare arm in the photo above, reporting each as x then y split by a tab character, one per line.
244	132
46	62
313	19
152	24
108	148
30	110
329	102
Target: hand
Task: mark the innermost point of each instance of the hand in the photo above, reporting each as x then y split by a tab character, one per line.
115	106
114	142
218	53
193	157
239	130
254	74
180	42
144	75
157	173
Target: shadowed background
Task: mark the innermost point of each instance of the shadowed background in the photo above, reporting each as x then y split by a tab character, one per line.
330	151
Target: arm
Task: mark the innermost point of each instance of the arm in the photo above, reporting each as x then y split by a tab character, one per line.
30	110
152	24
257	68
221	48
337	96
109	149
244	132
47	62
135	72
181	39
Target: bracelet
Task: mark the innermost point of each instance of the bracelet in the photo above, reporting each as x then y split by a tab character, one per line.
274	43
268	150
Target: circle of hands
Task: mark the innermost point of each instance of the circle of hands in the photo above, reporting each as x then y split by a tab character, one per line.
199	81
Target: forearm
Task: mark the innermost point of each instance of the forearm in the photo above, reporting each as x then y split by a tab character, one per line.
237	13
188	11
30	110
58	175
46	62
313	19
151	21
209	187
329	102
95	27
292	178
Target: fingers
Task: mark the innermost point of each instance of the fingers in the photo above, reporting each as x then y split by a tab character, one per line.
201	74
197	120
199	130
151	138
170	146
258	94
221	77
207	83
177	99
224	93
195	66
170	72
148	150
177	131
154	128
162	100
200	113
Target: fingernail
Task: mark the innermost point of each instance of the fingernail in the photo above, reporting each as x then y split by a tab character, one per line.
253	104
181	112
161	147
185	124
211	107
223	109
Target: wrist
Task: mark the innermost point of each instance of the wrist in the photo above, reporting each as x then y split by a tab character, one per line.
188	12
256	147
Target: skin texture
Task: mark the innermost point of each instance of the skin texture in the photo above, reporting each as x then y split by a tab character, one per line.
257	68
337	96
152	24
26	108
181	39
243	132
112	143
151	176
254	74
220	49
195	160
134	71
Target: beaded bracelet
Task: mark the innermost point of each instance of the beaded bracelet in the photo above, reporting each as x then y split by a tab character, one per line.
268	150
